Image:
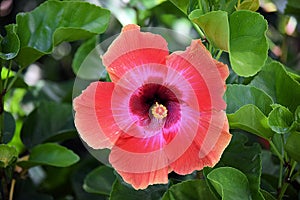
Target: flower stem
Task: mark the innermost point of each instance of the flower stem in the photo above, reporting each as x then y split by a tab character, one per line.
276	152
2	92
219	54
8	71
199	31
14	79
12	188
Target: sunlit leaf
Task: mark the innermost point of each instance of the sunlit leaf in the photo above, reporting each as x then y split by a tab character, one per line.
218	35
6	74
192	190
50	154
252	5
248	47
230	182
54	22
251	119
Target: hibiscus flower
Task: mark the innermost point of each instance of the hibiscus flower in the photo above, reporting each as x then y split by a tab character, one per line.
161	112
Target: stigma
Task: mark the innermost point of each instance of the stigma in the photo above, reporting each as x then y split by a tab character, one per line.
159	111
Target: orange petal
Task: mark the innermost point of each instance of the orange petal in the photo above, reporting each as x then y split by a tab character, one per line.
143	180
133	48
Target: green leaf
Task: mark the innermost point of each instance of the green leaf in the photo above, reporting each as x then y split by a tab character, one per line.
297	114
121	190
186	6
252	5
87	63
237	96
192	190
275	81
8	155
230	182
9	127
80	171
100	180
267	195
292	146
50	154
10	44
6	74
280	119
247	159
218	35
54	22
47	121
248	43
251	119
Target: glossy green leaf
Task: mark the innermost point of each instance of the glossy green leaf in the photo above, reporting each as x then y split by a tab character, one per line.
10	44
251	119
192	190
122	190
230	182
8	155
247	159
47	121
186	6
100	180
275	81
218	35
280	119
237	96
9	127
80	171
87	63
54	22
252	5
50	154
292	146
248	47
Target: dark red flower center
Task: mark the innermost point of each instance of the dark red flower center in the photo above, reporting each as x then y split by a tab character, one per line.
155	102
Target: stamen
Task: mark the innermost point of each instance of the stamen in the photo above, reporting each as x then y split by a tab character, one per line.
159	111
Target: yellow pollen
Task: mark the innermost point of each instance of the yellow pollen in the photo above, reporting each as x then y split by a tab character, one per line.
159	111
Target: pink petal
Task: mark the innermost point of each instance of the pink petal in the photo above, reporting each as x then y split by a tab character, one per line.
133	48
93	116
210	86
207	147
223	70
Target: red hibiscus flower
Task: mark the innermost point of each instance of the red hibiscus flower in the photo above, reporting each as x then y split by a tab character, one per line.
161	112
